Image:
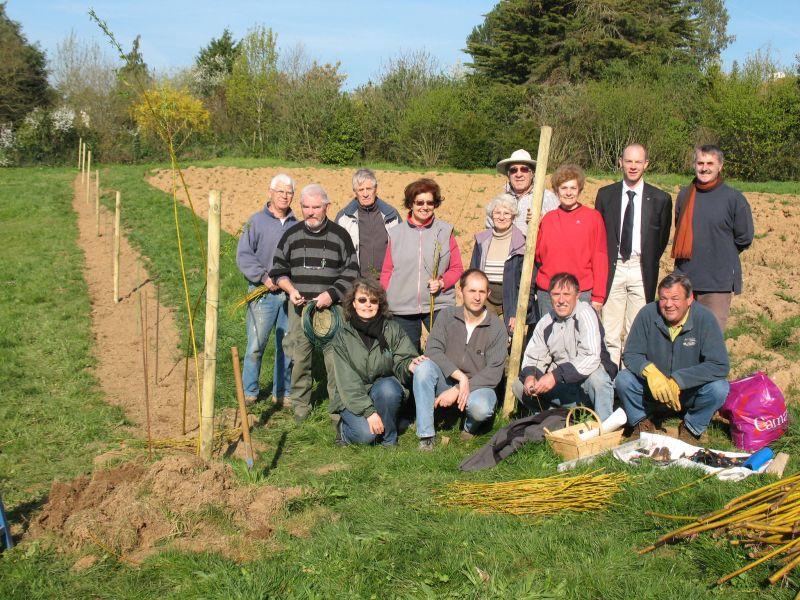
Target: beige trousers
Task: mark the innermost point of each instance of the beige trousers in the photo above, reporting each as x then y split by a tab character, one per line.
625	300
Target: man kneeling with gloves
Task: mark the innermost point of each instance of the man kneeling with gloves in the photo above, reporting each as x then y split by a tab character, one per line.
676	361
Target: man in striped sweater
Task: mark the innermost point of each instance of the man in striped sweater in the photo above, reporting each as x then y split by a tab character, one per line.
315	261
566	362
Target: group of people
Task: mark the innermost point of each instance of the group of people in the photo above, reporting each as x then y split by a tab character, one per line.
590	312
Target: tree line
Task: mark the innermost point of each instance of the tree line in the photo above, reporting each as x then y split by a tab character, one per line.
602	73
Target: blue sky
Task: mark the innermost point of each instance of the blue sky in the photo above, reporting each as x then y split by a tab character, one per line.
362	35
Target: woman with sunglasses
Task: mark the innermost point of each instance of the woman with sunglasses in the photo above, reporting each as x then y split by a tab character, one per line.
572	240
373	360
409	274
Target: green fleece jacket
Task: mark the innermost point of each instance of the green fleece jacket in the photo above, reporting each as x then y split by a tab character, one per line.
357	367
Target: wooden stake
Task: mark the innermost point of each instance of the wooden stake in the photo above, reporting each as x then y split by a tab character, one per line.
88	175
117	206
210	347
83	160
237	375
144	371
97	201
80	151
509	402
158	311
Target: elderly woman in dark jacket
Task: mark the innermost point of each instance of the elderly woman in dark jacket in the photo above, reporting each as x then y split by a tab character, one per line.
499	252
373	359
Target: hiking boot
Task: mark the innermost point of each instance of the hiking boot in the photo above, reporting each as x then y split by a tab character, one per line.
643	426
466	436
285	402
250	400
685	435
339	439
426	444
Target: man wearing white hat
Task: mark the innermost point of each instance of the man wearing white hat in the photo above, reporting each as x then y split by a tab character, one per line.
519	169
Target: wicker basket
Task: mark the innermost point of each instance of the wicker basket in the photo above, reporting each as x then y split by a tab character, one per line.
568	445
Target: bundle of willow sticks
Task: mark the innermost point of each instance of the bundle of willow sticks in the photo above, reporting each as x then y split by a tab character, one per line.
538	497
766	521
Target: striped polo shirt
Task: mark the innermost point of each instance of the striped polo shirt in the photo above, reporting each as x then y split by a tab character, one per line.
316	262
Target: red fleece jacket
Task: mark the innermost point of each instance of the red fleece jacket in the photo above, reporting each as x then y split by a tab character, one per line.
573	242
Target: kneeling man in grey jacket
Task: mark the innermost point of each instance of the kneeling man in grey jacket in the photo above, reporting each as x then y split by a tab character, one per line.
563	364
467	352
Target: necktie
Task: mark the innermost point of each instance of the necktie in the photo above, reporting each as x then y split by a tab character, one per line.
626	239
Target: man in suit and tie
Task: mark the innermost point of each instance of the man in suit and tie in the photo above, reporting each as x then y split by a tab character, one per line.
637	218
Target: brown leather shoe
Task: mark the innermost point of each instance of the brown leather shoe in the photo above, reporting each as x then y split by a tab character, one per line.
645	425
685	435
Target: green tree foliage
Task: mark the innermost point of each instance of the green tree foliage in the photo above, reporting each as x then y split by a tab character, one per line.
524	41
754	115
252	88
23	72
214	63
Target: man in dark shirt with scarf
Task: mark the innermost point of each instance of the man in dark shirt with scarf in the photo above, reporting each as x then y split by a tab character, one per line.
713	225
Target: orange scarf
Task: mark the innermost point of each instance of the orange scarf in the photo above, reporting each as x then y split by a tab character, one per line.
684	233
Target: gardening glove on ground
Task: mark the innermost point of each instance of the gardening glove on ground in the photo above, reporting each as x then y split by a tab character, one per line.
674	395
658	384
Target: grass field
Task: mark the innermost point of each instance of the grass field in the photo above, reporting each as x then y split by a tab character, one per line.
374	530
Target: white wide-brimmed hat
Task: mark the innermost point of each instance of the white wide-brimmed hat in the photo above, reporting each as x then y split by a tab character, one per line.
517	157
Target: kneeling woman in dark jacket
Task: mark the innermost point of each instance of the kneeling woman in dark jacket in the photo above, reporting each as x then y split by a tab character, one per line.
371	357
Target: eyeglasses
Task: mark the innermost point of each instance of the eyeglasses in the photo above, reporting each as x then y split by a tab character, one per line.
283	193
321	264
424	203
364	300
520	169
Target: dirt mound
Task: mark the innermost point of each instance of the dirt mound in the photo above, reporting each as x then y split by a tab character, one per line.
178	502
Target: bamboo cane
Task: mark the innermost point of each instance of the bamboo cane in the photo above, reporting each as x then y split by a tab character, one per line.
144	372
117	207
97	201
509	402
210	348
88	174
237	375
158	311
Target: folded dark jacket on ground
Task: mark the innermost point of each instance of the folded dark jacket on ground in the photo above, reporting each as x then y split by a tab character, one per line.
511	437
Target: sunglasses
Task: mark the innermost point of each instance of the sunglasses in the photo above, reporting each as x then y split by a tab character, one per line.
521	169
364	300
424	203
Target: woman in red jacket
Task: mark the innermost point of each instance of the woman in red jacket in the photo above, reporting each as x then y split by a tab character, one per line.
572	240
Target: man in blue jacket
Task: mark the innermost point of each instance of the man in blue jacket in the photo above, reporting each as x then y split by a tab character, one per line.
676	361
368	220
254	256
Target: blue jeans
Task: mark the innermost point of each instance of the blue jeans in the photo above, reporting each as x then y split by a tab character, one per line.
264	314
698	404
429	382
386	394
412	325
596	391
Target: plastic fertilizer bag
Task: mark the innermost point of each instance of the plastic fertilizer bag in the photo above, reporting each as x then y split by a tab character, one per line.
756	410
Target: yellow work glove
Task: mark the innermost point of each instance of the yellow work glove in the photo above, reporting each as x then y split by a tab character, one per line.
674	395
658	384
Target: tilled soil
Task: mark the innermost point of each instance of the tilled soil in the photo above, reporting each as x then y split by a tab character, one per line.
178	502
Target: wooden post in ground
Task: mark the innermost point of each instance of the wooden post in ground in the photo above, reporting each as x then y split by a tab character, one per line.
117	207
83	159
210	347
143	319
88	174
80	150
97	201
158	311
515	359
237	375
